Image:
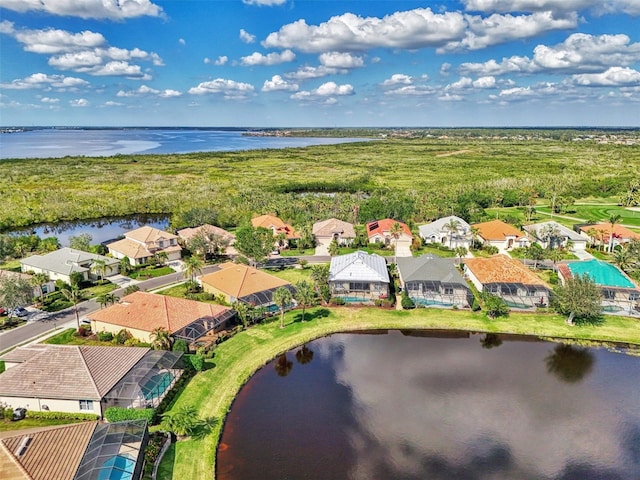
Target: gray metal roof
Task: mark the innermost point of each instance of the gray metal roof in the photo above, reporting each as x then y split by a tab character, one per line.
429	268
537	230
66	261
437	227
358	266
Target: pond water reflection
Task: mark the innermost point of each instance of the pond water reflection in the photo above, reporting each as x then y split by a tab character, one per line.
416	405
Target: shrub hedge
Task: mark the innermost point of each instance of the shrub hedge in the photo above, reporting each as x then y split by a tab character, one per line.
62	415
119	414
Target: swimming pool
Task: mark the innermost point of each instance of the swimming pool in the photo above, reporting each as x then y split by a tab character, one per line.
157	385
356	299
428	301
602	273
118	467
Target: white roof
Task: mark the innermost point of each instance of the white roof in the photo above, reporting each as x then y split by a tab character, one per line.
438	227
537	230
66	261
358	266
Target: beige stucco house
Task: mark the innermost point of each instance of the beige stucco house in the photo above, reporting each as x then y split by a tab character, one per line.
143	243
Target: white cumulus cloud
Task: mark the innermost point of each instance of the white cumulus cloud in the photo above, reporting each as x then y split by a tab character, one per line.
79	102
229	89
146	90
307	72
612	77
340	60
325	93
277	83
632	7
102	9
398	79
274	58
265	3
246	37
42	80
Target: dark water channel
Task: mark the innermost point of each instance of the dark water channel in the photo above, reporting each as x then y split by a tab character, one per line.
405	405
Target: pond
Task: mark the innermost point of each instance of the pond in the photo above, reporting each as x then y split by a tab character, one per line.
100	229
436	405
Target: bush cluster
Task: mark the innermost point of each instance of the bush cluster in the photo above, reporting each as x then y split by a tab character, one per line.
119	414
62	415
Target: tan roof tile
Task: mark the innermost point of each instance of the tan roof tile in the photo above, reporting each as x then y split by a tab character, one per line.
52	454
239	280
149	234
502	269
327	228
148	311
274	223
70	372
188	233
497	230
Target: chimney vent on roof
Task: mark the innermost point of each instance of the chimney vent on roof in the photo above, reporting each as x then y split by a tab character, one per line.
22	448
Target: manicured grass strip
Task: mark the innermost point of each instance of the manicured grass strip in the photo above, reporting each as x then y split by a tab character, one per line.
212	391
33	423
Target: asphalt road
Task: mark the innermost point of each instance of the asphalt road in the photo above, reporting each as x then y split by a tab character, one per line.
41	323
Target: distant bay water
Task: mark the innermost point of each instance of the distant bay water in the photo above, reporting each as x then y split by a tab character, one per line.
58	143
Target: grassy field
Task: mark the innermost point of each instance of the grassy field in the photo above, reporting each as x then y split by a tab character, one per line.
602	213
33	423
238	184
213	390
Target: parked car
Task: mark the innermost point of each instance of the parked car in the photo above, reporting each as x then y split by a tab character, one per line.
20	312
19	413
3	311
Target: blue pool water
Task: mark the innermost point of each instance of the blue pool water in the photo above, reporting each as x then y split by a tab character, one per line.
428	301
356	299
118	467
157	385
602	273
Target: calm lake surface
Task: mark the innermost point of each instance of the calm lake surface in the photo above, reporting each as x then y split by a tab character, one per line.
409	406
56	143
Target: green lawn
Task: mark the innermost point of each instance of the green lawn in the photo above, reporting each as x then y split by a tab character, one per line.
151	272
213	390
68	337
427	249
601	213
292	275
294	252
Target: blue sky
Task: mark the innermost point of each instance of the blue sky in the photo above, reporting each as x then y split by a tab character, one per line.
324	63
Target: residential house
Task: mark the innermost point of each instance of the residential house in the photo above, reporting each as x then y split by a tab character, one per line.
333	229
380	231
600	234
552	235
217	239
359	277
509	279
238	282
500	235
88	379
80	451
60	264
142	244
433	281
283	232
46	287
449	231
619	292
141	313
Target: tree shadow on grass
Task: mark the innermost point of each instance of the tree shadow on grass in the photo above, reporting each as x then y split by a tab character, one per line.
204	428
310	315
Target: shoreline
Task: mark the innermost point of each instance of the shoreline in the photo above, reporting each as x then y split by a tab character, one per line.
237	359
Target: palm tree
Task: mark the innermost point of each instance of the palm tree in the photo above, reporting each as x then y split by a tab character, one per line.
244	311
192	267
451	227
613	220
334	248
395	231
161	339
183	421
320	277
125	265
74	295
623	259
106	299
282	297
38	280
475	234
460	252
304	295
100	268
550	234
161	258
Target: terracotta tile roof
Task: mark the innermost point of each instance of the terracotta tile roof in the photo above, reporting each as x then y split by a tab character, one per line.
133	249
274	223
148	234
327	228
239	280
188	233
382	227
502	269
148	311
605	228
497	230
70	372
52	454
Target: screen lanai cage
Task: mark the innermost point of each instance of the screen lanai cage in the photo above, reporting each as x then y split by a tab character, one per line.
114	451
201	327
265	298
436	293
146	384
519	295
